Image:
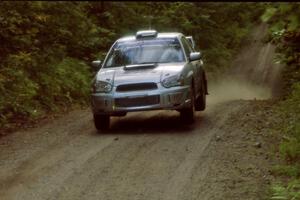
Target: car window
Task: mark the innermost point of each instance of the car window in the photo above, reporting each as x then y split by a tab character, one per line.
191	42
145	51
187	48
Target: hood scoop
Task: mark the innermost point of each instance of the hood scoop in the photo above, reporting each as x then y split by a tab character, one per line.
140	66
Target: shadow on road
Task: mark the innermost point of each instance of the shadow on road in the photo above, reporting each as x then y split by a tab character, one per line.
155	124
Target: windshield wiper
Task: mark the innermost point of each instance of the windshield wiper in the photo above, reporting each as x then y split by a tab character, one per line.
143	63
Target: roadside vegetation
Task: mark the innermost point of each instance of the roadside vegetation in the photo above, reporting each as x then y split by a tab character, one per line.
46	47
284	20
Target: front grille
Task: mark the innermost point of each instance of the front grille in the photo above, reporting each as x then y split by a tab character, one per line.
136	87
137	101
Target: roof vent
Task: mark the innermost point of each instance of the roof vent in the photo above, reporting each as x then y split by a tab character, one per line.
148	33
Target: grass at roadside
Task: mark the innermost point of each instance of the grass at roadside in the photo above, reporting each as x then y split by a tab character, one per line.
287	184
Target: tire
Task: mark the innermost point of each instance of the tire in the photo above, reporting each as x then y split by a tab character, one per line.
187	114
102	122
200	103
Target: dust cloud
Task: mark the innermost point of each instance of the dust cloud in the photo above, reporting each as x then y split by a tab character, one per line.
228	89
254	74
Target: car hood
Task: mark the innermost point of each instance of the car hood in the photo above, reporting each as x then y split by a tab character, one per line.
119	75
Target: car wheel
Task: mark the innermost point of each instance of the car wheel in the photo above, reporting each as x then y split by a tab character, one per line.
200	102
101	122
187	114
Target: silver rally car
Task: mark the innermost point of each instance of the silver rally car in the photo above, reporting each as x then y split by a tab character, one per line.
149	71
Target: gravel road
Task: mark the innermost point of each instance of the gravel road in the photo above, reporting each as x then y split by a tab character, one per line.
146	155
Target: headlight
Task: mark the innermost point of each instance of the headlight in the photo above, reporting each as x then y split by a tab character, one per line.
101	86
172	81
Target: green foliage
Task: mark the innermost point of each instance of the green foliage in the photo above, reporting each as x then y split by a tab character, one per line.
284	21
289	192
290	109
287	170
65	83
289	148
268	14
41	43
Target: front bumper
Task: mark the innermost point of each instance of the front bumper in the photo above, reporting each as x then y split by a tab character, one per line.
173	98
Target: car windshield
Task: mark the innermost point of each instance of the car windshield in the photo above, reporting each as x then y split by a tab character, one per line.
144	52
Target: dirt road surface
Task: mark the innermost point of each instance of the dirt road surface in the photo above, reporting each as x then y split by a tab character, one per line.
145	155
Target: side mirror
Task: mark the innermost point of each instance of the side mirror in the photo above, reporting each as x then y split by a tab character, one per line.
195	56
96	64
